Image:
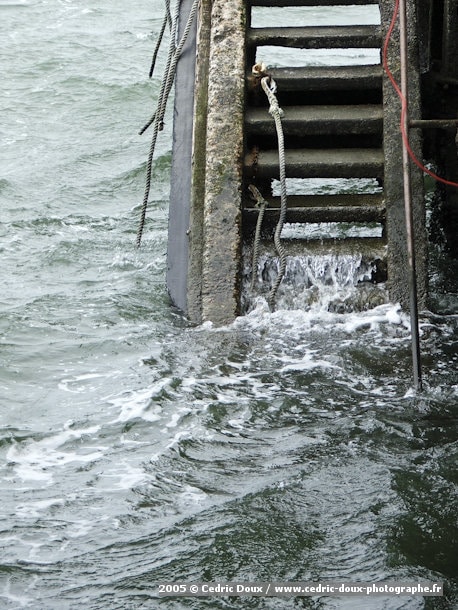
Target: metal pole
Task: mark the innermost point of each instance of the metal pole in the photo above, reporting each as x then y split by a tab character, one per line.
408	205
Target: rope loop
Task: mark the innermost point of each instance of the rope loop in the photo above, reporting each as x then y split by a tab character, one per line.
269	87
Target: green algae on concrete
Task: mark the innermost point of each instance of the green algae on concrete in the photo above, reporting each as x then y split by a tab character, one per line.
219	248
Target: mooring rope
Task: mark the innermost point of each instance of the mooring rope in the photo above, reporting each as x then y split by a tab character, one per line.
269	86
157	120
261	205
175	58
173	25
167	20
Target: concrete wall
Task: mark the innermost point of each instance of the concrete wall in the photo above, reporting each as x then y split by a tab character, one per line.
398	284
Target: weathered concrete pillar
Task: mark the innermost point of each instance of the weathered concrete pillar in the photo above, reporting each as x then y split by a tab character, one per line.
223	154
203	258
199	161
398	284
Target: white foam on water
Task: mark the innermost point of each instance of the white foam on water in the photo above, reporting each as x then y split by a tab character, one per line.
35	509
123	260
174	421
190	496
293	340
137	404
82	383
36	460
296	322
389	314
79	529
307	362
123	476
239	422
193	431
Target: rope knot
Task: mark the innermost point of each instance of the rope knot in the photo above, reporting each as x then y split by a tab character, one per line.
256	196
270	89
275	109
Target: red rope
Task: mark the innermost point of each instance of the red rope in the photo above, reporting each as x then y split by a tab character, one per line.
401	96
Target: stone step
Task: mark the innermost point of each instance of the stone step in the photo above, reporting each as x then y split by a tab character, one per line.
313	120
300	216
319	208
334	78
323	201
317	163
317	37
371	248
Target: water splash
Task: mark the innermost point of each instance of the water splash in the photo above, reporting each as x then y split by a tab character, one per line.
339	283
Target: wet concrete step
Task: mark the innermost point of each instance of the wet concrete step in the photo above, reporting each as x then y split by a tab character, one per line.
317	163
371	248
320	208
334	78
313	120
272	3
317	37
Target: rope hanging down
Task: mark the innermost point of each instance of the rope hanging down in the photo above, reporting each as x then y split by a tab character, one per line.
167	21
261	203
157	120
269	86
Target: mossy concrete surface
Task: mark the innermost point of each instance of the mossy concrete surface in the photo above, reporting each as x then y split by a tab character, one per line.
223	168
397	258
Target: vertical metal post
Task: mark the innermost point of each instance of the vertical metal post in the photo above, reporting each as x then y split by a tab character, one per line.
180	180
416	360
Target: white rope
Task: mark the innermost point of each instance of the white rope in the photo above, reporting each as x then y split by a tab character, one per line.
261	204
269	86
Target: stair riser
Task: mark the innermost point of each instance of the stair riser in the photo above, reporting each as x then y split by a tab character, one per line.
305	202
340	37
371	248
308	128
337	78
316	215
296	168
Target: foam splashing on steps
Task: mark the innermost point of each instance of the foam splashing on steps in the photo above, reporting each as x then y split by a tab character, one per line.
339	283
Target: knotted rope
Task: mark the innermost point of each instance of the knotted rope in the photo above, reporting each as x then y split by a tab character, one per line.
269	86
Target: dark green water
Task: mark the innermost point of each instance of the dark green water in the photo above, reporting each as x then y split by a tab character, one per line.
137	449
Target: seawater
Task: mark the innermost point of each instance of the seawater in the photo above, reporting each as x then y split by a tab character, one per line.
136	448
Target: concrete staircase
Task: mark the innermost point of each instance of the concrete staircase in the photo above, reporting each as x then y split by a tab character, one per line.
341	124
333	127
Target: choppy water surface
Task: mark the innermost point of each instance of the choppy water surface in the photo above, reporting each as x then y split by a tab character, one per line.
136	448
